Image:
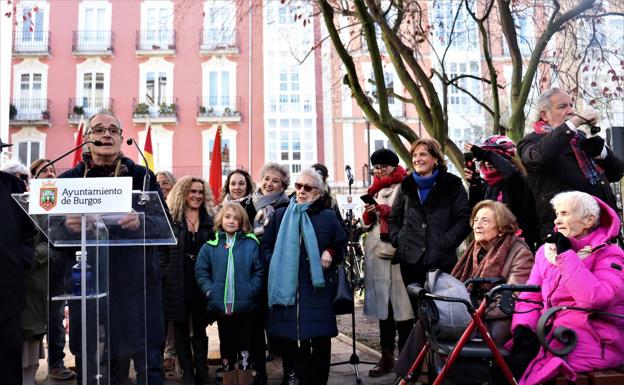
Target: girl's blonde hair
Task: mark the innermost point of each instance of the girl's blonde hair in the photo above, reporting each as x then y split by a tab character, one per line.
243	219
176	200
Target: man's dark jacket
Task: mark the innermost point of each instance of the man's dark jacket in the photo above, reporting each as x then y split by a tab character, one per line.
16	249
552	168
429	234
127	317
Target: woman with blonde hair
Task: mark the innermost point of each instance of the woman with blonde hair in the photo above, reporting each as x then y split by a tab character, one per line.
192	209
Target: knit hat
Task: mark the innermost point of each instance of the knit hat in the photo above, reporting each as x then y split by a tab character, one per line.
384	156
500	144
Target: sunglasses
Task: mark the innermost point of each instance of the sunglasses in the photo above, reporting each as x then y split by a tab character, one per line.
305	187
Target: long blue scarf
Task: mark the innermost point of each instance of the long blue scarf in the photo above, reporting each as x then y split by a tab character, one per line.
284	267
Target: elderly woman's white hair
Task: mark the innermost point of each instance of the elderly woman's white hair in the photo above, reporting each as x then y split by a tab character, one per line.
579	202
15	167
312	173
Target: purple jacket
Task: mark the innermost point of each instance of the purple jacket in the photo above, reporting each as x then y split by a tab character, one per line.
597	282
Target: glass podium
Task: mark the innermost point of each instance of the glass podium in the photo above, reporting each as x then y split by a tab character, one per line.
113	289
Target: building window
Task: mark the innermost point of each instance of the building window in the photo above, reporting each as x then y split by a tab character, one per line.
291	142
156	84
460	31
395	106
28	145
30	89
93	86
219	86
228	149
162	146
32	26
459	101
28	151
524	34
94	26
219	24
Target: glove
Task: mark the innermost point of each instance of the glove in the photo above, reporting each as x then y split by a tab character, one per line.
561	241
525	348
478	152
592	146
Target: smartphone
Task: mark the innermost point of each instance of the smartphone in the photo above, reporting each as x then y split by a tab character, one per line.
368	199
469	161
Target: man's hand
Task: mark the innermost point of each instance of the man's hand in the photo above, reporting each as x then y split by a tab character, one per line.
588	116
130	222
73	223
326	260
592	146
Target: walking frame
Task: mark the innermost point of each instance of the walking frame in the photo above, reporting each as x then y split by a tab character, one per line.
507	299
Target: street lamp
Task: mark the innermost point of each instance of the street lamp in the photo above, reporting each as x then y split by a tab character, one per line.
369	151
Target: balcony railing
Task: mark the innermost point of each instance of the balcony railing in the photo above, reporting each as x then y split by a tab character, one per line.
218	108
163	110
87	107
29	110
219	41
35	43
156	41
92	42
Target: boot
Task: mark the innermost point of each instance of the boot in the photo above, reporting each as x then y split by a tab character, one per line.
385	364
229	377
185	356
243	376
290	377
200	348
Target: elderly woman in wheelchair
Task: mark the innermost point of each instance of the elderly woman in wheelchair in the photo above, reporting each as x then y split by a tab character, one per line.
580	271
496	254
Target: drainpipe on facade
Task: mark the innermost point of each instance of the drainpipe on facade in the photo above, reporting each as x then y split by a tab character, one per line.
249	96
6	37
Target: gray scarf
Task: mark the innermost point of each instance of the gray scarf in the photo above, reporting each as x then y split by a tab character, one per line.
264	205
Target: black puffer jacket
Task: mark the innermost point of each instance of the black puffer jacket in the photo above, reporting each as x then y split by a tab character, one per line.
173	266
552	168
429	234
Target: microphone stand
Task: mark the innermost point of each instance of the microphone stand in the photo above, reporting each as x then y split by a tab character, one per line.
94	142
146	178
354	360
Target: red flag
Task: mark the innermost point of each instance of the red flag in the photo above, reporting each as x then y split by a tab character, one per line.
215	166
78	153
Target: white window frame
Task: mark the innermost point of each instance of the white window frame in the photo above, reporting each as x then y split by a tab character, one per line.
91	39
157	35
28	135
465	27
223	35
162	147
156	65
93	66
32	44
31	66
394	104
227	135
219	64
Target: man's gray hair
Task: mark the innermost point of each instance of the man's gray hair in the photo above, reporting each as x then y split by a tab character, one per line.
578	202
314	175
88	125
278	168
15	167
543	101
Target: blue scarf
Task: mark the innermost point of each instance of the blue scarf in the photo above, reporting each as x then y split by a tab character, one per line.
425	184
284	267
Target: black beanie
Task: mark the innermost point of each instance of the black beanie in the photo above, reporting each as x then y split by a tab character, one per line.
384	156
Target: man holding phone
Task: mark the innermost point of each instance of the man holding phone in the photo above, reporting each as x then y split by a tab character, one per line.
386	298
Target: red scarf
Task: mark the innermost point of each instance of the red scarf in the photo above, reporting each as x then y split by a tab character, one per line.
492	176
383	210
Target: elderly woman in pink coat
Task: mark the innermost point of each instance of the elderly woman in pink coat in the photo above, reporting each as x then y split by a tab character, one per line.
578	266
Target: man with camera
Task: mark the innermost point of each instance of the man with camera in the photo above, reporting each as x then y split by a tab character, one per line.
564	153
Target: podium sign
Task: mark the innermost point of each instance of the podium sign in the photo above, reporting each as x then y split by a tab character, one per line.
81	196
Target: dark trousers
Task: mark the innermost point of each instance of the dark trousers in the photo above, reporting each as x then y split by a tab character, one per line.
312	360
11	350
182	335
413	273
388	329
234	336
56	309
258	342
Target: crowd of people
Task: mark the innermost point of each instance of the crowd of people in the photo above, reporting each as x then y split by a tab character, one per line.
260	260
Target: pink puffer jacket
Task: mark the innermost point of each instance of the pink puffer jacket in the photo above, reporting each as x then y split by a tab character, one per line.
597	282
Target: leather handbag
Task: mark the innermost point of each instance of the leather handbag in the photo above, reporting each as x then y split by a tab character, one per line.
343	299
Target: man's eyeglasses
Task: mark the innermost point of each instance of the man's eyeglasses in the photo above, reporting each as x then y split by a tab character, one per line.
305	187
98	130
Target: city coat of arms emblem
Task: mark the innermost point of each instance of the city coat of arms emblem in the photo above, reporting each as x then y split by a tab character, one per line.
48	196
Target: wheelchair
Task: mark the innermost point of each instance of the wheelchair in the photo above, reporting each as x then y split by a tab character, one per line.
441	354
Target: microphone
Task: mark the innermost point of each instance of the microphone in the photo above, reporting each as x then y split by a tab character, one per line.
349	174
146	178
50	163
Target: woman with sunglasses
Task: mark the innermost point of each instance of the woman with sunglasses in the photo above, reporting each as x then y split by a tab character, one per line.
192	210
303	243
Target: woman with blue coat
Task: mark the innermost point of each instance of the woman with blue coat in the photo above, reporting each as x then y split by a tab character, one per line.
302	245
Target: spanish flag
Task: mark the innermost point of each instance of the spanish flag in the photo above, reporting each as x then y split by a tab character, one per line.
78	153
216	170
147	149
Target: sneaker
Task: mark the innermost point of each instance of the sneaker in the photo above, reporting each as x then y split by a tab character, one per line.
61	373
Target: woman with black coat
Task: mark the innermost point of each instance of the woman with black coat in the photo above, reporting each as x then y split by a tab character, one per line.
430	215
502	178
192	210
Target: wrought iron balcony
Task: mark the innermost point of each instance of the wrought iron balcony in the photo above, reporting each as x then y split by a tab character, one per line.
156	42
162	110
28	43
218	109
77	107
92	43
29	112
214	41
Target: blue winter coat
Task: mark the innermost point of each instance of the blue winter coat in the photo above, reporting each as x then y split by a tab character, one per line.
134	284
312	315
211	268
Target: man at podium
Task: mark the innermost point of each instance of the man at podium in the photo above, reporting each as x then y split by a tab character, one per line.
135	312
